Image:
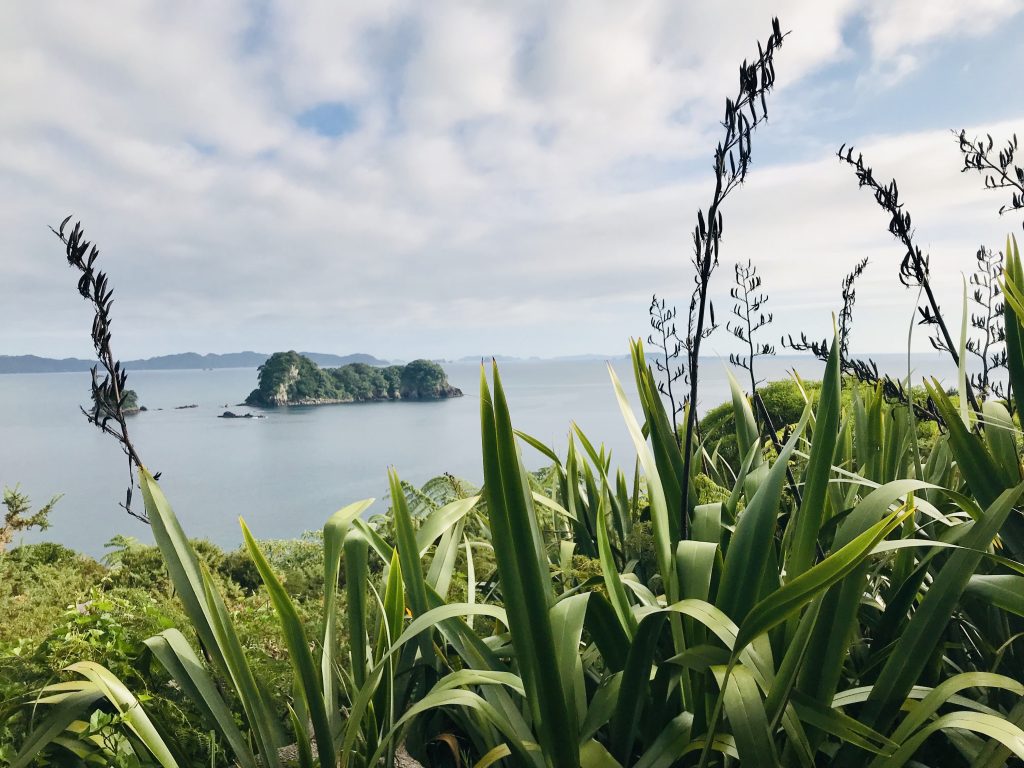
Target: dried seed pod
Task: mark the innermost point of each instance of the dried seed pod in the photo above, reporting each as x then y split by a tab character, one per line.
108	388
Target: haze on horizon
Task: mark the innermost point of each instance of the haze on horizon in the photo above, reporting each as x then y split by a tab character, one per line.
477	178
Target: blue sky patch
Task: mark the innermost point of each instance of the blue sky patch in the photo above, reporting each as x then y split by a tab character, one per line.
330	118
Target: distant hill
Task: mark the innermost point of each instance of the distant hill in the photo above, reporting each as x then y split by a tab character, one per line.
534	359
194	360
325	360
33	364
579	358
498	358
183	361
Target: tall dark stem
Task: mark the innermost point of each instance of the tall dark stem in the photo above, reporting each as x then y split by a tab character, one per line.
987	296
750	343
109	388
669	346
750	300
732	161
846	314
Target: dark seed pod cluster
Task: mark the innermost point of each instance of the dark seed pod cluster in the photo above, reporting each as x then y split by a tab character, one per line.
846	314
998	167
914	271
670	347
750	300
109	379
866	372
988	345
732	160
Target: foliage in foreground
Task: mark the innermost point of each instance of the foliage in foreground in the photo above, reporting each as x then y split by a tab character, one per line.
849	595
61	607
872	622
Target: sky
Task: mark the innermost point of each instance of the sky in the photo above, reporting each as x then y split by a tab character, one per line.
443	179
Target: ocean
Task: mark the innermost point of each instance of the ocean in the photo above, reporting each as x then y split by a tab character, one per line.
286	473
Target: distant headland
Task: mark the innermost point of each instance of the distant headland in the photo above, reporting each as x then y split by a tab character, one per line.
291	378
183	361
196	361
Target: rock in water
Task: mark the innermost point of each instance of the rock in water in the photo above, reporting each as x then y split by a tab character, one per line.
233	415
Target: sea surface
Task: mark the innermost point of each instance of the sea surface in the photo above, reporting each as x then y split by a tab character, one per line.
288	472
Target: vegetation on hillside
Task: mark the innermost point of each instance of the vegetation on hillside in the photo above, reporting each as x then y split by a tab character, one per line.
61	607
288	378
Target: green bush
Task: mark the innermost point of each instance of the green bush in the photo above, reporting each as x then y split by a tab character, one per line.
60	607
783	401
43	553
299	564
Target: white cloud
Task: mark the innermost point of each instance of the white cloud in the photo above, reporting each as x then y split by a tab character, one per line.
901	30
519	176
898	25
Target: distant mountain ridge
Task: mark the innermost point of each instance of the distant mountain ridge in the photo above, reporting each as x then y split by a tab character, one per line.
534	359
183	361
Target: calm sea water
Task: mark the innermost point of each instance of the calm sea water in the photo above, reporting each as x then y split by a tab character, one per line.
288	472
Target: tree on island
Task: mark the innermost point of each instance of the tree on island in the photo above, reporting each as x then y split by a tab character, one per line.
423	379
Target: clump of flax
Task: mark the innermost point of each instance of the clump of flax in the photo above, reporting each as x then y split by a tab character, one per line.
109	379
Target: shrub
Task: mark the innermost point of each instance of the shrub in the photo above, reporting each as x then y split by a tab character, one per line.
42	553
783	401
17	515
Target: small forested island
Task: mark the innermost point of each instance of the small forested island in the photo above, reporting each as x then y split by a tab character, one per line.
289	378
129	404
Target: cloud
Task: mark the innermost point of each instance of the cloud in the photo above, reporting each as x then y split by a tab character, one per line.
412	180
900	31
898	25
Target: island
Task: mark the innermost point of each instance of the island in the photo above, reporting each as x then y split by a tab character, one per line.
289	378
129	405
